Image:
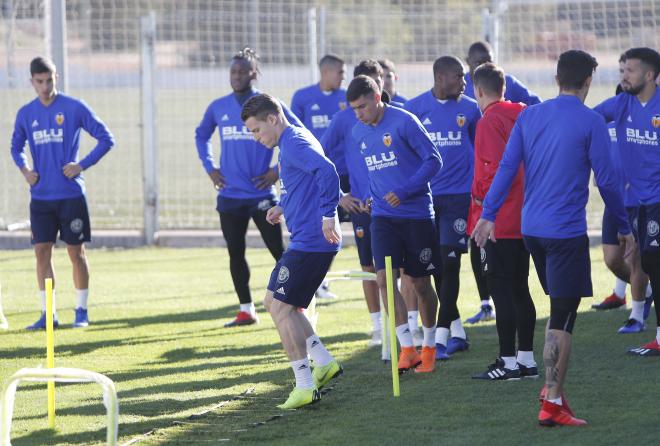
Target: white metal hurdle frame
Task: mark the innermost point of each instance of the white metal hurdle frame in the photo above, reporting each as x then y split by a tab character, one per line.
59	374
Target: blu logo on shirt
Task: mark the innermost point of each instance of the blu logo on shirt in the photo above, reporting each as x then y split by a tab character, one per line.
381	161
648	138
236	132
320	121
48	136
451	138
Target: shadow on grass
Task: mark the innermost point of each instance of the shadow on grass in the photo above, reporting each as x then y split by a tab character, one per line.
445	406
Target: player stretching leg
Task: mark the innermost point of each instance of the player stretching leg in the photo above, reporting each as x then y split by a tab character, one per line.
310	193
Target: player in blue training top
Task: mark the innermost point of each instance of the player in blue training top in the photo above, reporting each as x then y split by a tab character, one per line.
625	269
51	125
244	179
310	193
401	160
558	156
338	138
636	115
450	119
390	77
315	105
514	91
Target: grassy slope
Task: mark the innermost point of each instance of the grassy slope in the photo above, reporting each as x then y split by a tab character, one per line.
156	331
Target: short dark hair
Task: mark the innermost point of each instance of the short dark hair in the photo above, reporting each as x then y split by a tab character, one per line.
648	56
41	65
574	67
368	67
330	59
249	55
446	63
387	64
361	85
260	106
490	78
481	48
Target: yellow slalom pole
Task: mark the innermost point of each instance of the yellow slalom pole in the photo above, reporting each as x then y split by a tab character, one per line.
50	351
392	325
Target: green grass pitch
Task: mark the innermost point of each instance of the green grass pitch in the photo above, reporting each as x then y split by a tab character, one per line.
156	330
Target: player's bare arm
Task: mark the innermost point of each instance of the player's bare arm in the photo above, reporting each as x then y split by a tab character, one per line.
274	215
72	170
217	179
30	175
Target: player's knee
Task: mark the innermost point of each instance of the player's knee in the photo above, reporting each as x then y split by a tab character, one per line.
268	300
563	312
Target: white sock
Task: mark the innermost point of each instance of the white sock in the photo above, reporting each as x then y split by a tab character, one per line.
441	335
485	302
303	374
429	336
620	288
457	329
526	358
316	350
249	308
42	295
657	335
557	401
510	362
637	312
404	335
412	320
81	296
375	320
649	290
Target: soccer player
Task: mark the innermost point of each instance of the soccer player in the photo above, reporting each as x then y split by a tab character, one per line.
636	115
337	138
625	269
450	119
507	261
557	156
51	125
401	160
390	77
310	193
514	91
315	106
244	179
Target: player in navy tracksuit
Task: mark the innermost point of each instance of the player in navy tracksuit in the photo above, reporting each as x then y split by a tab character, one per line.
310	193
636	114
51	125
558	156
244	179
515	91
450	119
401	159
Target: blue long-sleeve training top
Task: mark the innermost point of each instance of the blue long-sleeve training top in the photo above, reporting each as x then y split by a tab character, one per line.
637	129
241	157
630	199
452	126
515	90
400	158
339	138
559	141
309	189
53	134
316	108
